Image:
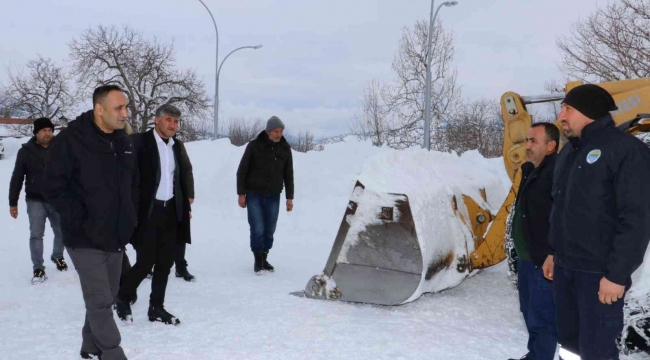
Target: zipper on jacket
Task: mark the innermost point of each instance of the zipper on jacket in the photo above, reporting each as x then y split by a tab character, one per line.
272	168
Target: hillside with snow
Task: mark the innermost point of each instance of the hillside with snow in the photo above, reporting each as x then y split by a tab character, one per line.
231	313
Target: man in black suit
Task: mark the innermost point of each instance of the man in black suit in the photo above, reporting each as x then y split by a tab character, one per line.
163	213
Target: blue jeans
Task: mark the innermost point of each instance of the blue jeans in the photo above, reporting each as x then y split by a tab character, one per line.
537	306
38	211
585	326
263	210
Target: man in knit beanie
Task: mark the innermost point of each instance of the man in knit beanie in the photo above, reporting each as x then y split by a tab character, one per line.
600	224
30	164
267	164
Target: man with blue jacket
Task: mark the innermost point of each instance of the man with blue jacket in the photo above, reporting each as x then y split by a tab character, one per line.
600	224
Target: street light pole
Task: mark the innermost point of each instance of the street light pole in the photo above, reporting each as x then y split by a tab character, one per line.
230	53
427	95
216	78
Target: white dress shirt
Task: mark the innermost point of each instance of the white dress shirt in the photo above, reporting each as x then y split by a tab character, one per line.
167	167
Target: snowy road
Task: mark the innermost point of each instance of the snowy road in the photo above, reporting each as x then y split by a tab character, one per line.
230	313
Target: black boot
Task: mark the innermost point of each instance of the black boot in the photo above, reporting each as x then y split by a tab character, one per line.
158	313
265	264
259	262
60	263
87	355
123	308
183	273
39	276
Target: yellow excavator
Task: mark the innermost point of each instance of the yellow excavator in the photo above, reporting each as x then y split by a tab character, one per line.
387	261
633	115
633	100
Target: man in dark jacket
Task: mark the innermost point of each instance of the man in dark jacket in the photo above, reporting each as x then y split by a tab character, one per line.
163	216
30	163
600	223
267	164
91	180
530	236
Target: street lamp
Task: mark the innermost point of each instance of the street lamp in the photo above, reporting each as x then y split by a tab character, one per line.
217	70
216	97
427	95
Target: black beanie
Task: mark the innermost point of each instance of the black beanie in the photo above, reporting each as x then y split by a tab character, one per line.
591	100
42	123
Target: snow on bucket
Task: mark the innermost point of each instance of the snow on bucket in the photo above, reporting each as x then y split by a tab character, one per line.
413	219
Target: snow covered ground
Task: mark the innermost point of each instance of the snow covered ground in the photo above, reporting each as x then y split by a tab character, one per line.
231	313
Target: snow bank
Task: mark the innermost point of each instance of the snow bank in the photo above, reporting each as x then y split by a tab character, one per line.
12	145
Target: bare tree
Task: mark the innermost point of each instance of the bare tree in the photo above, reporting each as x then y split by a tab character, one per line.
478	126
612	44
145	69
43	91
405	97
553	108
240	131
194	129
302	143
372	120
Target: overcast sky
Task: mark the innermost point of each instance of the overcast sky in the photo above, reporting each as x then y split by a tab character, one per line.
317	55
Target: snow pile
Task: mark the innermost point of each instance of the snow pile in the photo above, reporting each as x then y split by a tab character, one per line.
12	145
640	289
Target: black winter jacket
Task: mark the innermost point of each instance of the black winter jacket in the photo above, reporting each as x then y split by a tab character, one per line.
30	163
536	203
265	166
91	180
600	220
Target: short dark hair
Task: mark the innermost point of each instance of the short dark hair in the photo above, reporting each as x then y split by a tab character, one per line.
552	132
168	109
101	92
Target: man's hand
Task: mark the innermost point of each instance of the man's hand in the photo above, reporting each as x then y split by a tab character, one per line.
547	268
242	201
289	204
191	201
610	292
13	211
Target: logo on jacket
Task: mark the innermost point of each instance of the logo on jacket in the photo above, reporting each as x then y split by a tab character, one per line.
593	156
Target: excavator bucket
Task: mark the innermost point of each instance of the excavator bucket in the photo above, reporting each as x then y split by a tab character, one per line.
382	265
379	257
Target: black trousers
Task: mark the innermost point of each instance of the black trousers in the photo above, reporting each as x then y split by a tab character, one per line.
157	251
179	256
585	326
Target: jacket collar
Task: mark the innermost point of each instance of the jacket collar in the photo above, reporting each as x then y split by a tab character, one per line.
264	138
592	131
90	134
529	168
160	141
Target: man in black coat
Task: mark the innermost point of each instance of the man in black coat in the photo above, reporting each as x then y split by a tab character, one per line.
600	223
163	217
91	180
530	236
267	164
29	167
179	249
